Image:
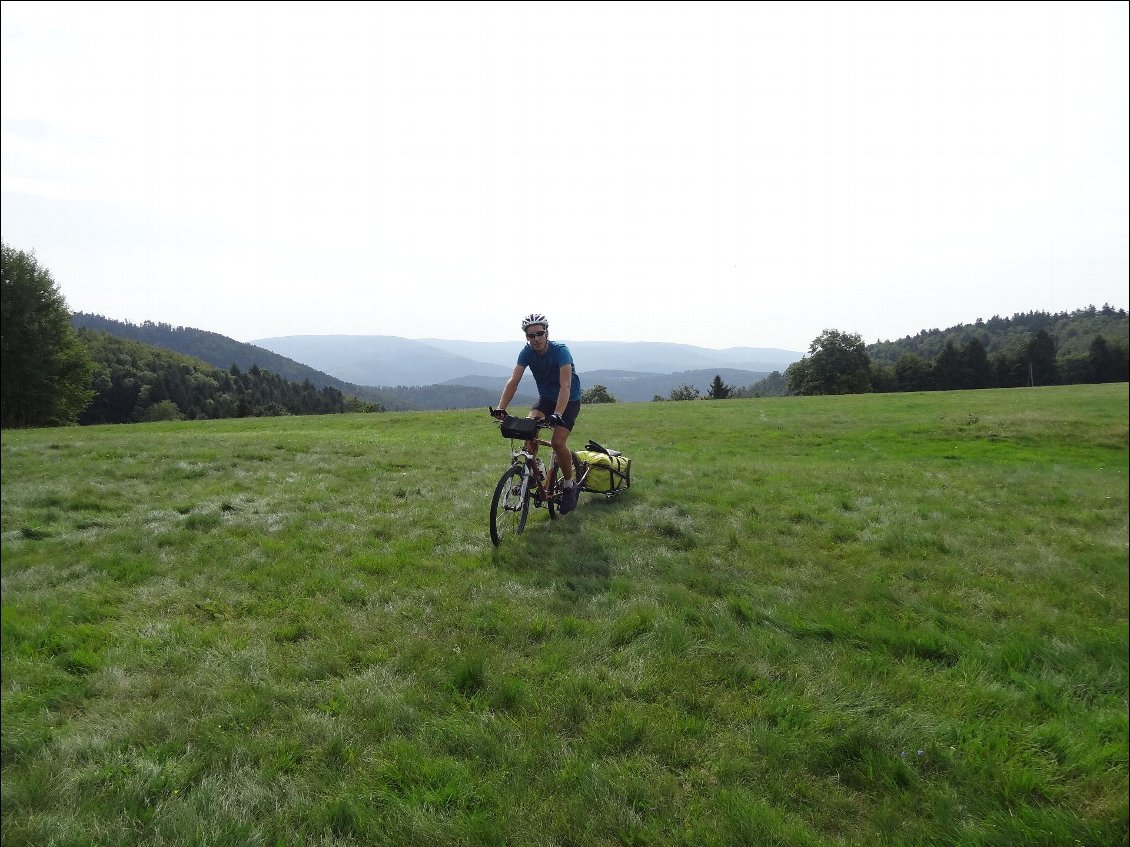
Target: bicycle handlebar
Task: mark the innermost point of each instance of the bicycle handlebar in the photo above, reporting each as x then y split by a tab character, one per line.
543	423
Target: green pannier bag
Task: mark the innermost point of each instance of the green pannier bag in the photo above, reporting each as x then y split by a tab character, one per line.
609	472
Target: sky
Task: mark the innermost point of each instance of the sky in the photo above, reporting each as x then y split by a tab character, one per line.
717	174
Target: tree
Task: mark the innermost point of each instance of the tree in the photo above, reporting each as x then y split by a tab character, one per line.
973	363
719	390
883	378
770	386
1104	361
163	410
947	368
683	392
912	373
1010	366
838	364
1041	359
798	375
356	404
597	394
45	373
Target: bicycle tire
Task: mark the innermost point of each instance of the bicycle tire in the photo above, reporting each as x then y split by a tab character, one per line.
507	515
553	498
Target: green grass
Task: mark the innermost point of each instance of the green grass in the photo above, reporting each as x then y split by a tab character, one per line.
880	620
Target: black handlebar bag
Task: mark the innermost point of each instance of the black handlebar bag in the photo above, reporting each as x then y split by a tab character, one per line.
525	429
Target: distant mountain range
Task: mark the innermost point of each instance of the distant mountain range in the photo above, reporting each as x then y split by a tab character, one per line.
401	373
390	360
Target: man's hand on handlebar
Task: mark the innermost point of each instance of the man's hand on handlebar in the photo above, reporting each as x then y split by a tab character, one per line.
543	420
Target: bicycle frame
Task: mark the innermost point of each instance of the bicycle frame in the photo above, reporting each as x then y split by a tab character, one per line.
533	470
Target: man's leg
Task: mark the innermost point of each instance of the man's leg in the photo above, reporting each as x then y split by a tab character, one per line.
560	444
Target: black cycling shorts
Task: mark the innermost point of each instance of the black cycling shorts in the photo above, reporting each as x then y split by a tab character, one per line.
547	407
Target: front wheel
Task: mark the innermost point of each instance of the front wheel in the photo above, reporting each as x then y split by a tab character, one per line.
553	484
510	506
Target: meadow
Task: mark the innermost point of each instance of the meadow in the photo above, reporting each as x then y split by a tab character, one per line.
863	620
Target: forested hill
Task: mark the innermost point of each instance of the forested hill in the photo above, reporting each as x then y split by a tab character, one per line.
134	381
223	352
215	349
1073	333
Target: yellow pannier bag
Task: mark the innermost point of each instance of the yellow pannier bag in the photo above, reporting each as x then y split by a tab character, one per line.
607	474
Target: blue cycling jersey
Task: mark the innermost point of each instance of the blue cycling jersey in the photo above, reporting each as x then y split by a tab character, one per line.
546	369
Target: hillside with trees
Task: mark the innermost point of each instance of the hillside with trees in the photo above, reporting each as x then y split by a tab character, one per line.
1072	331
1035	348
215	349
771	386
224	352
134	382
1088	345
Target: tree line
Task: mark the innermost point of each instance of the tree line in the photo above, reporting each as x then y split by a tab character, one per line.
839	362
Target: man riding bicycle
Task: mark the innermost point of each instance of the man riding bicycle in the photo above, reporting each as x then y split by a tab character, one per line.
559	394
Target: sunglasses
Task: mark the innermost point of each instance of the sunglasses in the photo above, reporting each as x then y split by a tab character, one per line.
537	334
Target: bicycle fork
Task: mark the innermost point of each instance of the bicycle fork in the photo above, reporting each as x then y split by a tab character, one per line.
532	472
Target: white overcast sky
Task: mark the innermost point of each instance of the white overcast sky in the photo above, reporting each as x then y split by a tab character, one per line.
719	174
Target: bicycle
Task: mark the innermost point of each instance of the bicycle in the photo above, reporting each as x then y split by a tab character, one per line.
526	481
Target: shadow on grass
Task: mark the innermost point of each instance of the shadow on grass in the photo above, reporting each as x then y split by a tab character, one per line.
565	553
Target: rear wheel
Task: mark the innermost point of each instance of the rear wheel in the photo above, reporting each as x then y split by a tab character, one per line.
510	506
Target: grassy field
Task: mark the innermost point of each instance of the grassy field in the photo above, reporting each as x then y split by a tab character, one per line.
879	620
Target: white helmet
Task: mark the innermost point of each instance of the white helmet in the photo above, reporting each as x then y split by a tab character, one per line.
534	318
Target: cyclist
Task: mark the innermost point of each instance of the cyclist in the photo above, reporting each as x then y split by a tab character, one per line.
559	394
